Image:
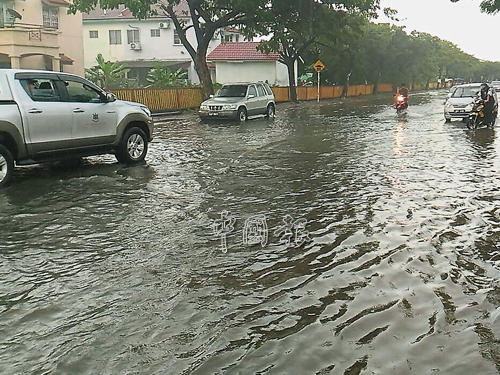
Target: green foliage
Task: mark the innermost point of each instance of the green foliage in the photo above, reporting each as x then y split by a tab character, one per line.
163	77
107	74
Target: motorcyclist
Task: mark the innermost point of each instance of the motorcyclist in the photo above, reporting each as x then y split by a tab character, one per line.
486	94
403	90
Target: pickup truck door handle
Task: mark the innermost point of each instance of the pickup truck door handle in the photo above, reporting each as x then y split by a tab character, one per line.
78	110
35	110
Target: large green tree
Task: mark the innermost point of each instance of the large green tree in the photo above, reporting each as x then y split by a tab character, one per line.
487	6
295	25
205	17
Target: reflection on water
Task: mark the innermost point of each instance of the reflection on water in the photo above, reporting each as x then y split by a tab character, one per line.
108	269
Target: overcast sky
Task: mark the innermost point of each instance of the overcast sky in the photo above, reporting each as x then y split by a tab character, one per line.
461	23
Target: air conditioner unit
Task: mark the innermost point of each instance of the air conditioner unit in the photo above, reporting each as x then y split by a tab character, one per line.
164	25
136	46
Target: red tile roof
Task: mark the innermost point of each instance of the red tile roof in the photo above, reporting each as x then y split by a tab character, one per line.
240	51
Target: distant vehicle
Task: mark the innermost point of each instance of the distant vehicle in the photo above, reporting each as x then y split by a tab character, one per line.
49	116
496	85
460	101
458	81
239	101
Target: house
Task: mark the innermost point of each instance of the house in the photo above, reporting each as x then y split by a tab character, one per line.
142	44
39	34
242	62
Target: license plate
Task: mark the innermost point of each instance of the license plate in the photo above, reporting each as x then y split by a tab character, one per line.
213	114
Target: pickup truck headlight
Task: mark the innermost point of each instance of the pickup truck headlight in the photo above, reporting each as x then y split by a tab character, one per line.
229	106
146	110
448	105
204	107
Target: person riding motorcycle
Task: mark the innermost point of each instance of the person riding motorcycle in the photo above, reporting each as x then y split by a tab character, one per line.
486	94
402	97
403	90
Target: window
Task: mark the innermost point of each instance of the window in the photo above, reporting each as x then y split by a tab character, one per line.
41	90
252	91
155	33
51	17
228	38
268	89
93	34
177	40
82	93
6	18
261	90
133	36
115	37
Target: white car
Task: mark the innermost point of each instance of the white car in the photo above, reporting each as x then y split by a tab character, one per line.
458	105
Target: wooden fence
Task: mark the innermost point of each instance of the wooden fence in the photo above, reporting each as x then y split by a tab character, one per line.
182	98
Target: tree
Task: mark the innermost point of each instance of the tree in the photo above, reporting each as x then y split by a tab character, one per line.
107	73
206	16
487	6
295	25
162	77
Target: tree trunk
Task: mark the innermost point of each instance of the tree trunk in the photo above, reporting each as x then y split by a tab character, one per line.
377	80
346	86
291	80
200	64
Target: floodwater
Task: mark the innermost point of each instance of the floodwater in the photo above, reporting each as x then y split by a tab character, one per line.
182	266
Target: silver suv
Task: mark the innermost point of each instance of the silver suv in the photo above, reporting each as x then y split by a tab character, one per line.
239	101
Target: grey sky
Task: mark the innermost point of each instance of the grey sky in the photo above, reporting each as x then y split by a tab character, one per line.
461	23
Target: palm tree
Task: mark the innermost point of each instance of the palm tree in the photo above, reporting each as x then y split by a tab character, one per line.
107	73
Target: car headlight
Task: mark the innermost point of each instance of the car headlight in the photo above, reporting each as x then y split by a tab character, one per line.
204	107
448	105
468	107
229	106
146	110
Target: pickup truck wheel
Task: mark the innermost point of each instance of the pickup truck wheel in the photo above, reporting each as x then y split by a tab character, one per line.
133	147
6	166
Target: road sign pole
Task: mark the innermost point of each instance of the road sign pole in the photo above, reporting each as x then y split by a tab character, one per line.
318	85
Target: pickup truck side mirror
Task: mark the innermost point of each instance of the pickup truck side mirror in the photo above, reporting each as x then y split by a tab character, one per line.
110	97
250	96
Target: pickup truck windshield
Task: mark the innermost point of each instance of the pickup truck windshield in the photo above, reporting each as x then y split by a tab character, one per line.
231	91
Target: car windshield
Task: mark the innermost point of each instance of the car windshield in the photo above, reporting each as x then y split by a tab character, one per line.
465	92
230	91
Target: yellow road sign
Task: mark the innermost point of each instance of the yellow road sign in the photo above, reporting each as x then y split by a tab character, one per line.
319	66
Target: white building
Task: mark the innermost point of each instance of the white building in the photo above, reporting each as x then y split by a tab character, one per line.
139	44
242	62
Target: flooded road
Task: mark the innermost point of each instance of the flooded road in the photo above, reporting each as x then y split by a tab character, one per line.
182	266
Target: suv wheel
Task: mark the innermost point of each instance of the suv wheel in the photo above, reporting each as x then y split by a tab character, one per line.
6	166
242	115
270	111
133	147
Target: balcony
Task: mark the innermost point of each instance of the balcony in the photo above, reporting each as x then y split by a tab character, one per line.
23	40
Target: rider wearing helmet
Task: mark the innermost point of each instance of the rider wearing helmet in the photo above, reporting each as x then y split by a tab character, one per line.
488	99
403	90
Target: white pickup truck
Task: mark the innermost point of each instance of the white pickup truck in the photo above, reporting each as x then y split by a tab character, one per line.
49	116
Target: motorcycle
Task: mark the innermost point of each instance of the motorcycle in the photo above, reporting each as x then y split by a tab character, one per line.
401	103
476	116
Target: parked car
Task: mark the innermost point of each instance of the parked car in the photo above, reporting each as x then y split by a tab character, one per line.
50	116
460	99
239	101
